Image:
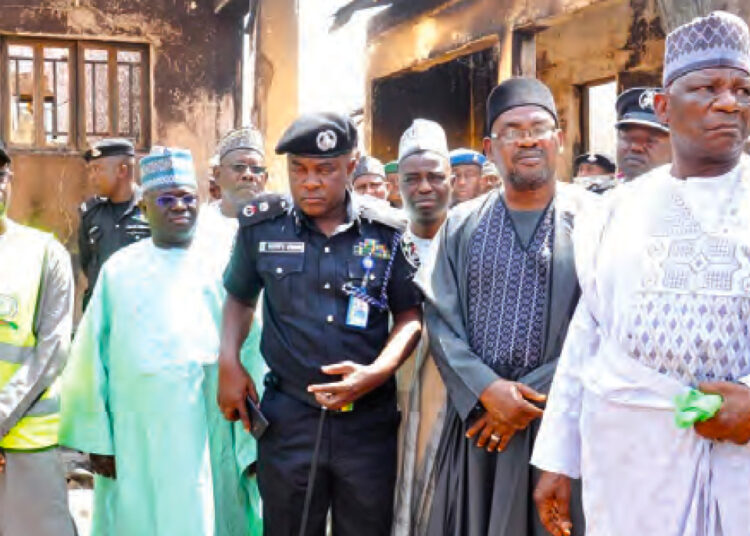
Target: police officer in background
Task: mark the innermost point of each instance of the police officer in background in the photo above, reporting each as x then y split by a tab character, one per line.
112	218
642	140
332	270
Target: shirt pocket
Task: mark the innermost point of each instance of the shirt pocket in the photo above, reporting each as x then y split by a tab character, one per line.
283	281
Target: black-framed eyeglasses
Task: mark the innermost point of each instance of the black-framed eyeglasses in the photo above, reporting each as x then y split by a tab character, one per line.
6	177
242	169
168	201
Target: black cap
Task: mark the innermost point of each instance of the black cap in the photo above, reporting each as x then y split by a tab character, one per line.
319	135
109	147
595	158
4	156
635	106
519	91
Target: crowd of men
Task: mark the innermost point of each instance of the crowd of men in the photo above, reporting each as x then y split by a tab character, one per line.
453	343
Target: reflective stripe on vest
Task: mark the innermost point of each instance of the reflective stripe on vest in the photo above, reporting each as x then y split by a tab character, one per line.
20	286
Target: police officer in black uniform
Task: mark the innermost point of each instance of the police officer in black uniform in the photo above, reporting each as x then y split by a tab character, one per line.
112	218
332	271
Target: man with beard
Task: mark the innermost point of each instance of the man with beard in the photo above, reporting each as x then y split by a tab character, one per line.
642	139
466	178
36	319
424	169
662	322
500	288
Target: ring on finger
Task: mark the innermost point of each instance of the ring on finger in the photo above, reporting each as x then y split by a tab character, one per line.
495	437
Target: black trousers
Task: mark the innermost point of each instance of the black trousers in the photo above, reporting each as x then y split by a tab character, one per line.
356	470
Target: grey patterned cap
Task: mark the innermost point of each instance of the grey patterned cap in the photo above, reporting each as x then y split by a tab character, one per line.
720	39
241	138
423	135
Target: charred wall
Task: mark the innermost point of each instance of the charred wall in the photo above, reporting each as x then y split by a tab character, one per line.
195	58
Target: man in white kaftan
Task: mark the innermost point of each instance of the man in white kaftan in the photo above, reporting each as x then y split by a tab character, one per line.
664	268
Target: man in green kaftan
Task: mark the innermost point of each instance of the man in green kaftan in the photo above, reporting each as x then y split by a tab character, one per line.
139	390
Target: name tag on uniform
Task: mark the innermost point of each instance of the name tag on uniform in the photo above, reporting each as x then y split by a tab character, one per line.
281	247
357	313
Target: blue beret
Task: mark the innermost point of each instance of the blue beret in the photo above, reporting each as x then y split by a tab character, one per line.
461	157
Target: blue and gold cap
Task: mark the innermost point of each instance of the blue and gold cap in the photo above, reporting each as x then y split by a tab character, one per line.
167	167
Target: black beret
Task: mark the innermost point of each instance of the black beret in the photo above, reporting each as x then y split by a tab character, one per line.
4	156
635	106
519	91
109	147
596	158
319	135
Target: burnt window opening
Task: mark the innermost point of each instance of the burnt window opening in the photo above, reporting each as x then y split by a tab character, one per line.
63	94
599	116
452	93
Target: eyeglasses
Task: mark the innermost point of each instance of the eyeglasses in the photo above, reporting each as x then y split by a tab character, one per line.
6	177
242	169
514	135
169	201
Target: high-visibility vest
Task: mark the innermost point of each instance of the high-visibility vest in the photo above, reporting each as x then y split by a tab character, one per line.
20	292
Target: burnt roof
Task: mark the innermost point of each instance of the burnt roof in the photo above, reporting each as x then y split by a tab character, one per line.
398	11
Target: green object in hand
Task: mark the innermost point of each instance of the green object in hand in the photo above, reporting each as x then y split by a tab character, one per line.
695	406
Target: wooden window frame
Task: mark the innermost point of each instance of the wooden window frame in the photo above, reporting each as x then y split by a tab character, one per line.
585	106
77	135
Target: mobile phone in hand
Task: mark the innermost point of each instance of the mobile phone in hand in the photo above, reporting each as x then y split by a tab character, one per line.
258	421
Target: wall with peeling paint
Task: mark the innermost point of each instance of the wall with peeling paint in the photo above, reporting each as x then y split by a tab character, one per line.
622	40
454	29
576	42
195	61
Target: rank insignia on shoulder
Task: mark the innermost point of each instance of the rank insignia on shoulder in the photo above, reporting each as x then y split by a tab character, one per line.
264	207
371	247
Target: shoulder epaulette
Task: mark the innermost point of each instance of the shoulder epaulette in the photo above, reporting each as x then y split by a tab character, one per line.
263	208
372	209
90	203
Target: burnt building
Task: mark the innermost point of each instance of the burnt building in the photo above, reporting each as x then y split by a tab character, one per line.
75	71
439	59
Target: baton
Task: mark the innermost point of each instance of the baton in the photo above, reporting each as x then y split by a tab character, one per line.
313	471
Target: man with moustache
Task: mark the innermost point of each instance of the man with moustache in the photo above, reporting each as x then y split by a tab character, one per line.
340	315
662	322
642	139
425	188
500	288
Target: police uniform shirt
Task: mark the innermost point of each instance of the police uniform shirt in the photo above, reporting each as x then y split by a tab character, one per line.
105	228
303	274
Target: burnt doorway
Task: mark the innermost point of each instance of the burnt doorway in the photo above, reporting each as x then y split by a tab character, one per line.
453	93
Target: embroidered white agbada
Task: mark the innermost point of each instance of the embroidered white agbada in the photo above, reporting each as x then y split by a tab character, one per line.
664	266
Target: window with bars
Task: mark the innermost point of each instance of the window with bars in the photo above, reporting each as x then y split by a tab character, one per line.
67	94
